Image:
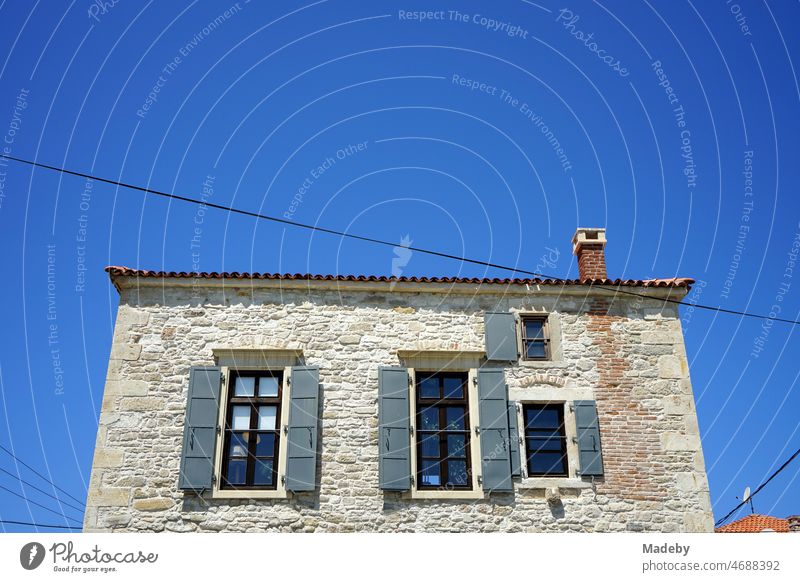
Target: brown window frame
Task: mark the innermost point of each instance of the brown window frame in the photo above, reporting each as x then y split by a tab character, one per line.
253	431
545	339
442	404
533	433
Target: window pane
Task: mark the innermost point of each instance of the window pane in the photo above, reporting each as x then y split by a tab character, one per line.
534	329
457	473
453	387
265	445
535	349
430	419
455	418
430	446
237	470
542	418
238	444
430	473
245	386
267	386
429	388
546	463
544	444
241	418
266	417
456	445
263	473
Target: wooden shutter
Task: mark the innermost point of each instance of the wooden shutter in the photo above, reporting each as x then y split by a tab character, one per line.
588	430
494	431
200	428
302	430
500	336
513	440
394	432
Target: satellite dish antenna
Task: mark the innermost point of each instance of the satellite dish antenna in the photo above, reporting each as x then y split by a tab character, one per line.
747	497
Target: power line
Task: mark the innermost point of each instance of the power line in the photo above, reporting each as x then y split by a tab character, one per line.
39	524
58	513
760	487
342	234
23	463
41	490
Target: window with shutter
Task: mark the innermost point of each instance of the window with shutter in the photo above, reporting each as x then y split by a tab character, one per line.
252	435
545	440
443	431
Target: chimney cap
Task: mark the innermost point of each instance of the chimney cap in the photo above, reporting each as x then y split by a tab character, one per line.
593	236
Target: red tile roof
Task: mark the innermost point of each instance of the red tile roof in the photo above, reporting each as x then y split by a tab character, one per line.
756	523
128	272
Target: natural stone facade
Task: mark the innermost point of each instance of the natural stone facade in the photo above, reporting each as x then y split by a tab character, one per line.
624	351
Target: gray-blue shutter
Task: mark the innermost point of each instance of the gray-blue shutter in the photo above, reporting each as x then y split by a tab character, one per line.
200	428
494	432
588	430
513	439
394	432
500	336
302	430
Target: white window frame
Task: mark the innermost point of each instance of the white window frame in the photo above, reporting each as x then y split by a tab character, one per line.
475	442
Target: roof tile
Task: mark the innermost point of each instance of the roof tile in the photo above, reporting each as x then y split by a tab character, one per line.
115	271
756	523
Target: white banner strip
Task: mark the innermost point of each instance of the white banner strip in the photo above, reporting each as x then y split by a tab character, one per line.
406	557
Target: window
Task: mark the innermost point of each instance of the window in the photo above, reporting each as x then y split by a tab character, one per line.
535	340
545	440
443	452
252	431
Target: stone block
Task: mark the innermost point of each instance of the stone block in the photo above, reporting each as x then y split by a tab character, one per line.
110	497
127	387
658	337
671	367
673	441
107	458
141	404
120	351
153	504
678	404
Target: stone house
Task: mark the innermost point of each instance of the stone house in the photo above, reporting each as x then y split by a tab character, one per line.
260	402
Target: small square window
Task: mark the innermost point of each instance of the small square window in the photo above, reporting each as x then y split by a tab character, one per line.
535	338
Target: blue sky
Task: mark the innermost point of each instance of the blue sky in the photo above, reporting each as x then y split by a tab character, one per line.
487	130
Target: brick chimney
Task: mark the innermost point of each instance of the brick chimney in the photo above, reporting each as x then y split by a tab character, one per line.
794	523
589	245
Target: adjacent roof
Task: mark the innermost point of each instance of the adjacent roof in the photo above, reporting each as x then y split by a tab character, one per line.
114	271
756	523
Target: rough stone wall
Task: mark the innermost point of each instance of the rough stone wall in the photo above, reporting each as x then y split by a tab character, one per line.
632	357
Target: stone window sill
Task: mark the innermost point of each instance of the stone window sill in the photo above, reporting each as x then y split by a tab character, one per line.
249	494
432	494
549	482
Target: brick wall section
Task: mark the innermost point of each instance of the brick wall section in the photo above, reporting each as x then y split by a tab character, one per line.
592	261
631	449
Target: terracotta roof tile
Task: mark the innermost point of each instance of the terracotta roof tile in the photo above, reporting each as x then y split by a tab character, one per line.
114	271
756	523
